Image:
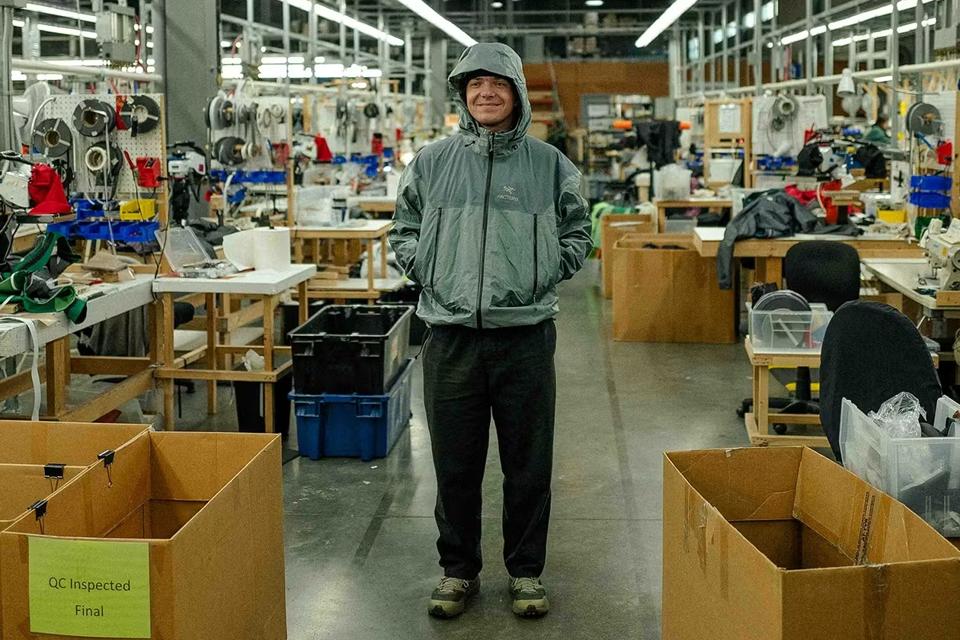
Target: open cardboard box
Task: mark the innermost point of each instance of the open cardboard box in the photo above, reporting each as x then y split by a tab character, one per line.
782	543
208	506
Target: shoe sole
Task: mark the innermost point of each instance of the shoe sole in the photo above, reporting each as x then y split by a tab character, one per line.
438	611
531	608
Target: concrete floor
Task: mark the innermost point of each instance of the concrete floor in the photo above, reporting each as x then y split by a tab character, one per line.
360	537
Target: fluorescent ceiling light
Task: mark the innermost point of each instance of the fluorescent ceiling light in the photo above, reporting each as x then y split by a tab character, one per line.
883	79
65	31
57	11
667	18
20	75
232	69
871	14
883	33
421	8
327	13
594	3
496	4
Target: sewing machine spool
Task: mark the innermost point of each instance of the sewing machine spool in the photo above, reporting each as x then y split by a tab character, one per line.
53	138
92	118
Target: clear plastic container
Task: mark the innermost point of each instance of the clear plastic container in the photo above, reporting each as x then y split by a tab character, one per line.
922	473
782	331
737	196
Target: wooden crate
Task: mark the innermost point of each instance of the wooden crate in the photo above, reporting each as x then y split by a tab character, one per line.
614	226
663	294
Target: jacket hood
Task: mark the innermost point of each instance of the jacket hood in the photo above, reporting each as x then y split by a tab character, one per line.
500	60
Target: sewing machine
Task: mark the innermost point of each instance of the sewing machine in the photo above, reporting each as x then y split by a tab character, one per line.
943	253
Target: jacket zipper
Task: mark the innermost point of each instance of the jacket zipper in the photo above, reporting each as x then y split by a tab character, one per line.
436	247
536	261
483	237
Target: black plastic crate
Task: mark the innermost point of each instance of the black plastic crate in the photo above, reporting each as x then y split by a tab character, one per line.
410	295
351	349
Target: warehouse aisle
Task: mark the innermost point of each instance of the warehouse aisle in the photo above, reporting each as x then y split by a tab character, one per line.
360	536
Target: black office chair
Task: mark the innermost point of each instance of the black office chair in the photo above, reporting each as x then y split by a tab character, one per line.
825	272
871	352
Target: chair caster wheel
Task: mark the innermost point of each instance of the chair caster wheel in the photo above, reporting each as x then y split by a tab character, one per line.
780	429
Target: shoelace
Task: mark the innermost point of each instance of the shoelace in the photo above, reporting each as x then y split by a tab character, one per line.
452	585
526	584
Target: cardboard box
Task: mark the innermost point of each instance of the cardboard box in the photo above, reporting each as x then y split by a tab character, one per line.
614	226
71	443
23	485
781	543
190	523
663	291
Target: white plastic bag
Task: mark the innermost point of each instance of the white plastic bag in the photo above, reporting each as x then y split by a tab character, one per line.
900	416
672	182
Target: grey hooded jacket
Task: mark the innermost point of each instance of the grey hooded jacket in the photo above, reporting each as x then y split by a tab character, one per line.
488	223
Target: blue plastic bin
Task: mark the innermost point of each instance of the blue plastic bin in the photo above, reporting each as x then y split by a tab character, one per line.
928	200
931	183
351	426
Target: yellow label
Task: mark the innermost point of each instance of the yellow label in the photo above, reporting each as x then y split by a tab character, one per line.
90	588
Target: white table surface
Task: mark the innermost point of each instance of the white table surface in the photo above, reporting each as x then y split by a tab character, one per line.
255	283
354	225
903	275
116	299
715	234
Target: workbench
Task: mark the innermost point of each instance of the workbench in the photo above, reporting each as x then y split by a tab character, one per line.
758	423
369	232
711	204
903	276
769	254
105	301
378	206
268	287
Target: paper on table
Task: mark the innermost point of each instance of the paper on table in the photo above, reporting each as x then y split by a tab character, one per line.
90	588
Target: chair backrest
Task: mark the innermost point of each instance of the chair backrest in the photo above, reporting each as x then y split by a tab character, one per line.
871	352
824	271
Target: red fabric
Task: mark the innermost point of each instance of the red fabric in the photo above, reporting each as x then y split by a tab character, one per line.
323	149
376	144
46	192
148	173
945	153
803	196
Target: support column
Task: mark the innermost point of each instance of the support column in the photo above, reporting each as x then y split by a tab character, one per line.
894	52
438	80
724	19
192	41
808	49
7	133
757	46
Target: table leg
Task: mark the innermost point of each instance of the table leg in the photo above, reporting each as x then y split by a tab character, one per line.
770	269
269	306
56	363
384	246
166	359
303	310
661	219
761	399
371	285
211	304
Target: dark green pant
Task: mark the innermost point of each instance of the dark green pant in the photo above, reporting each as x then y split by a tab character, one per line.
470	374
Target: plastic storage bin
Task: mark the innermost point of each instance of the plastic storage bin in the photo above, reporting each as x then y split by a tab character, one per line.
789	331
364	426
922	473
351	349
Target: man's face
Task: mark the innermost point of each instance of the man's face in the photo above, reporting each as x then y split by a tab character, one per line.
490	102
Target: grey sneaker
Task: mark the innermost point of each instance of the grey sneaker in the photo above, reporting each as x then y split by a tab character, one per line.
450	597
529	597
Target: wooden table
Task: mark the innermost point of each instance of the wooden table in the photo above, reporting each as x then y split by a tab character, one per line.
367	231
769	254
375	205
268	286
105	301
903	276
758	423
688	203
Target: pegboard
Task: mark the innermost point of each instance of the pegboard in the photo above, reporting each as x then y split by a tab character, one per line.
255	131
148	145
811	113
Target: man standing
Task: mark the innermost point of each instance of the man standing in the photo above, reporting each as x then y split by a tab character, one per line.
488	222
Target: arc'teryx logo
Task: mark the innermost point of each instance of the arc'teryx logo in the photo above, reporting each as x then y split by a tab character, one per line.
508	193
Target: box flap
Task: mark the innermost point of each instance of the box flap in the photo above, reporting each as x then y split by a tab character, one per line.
72	443
643	240
865	524
743	484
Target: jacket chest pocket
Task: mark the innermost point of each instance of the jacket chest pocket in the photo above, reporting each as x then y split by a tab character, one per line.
522	257
425	263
